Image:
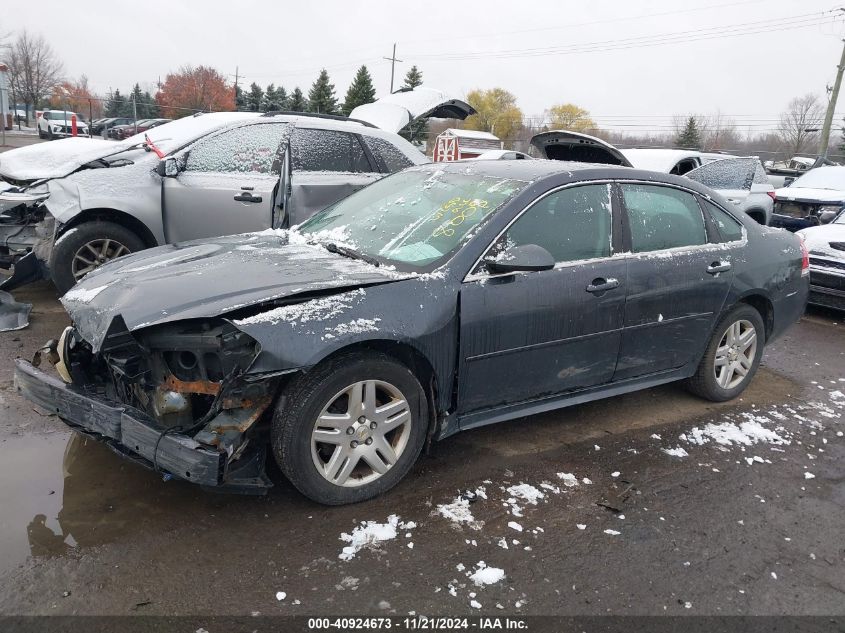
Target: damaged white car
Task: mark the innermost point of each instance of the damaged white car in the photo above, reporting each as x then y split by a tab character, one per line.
68	207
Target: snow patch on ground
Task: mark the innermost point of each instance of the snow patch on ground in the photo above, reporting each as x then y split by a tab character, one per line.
458	512
675	452
484	575
728	433
370	534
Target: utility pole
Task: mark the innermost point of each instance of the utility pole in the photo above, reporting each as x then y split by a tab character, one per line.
236	87
831	105
392	59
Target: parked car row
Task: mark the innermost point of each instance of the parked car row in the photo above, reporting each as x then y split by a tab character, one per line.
323	295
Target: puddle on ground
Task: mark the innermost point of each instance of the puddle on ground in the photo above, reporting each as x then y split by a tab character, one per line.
62	491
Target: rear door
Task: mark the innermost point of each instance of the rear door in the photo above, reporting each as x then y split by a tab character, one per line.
537	334
327	165
226	184
679	274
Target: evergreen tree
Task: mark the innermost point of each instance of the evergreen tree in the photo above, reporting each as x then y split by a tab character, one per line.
150	106
254	97
321	96
413	78
416	132
360	91
240	99
690	136
297	101
116	105
282	98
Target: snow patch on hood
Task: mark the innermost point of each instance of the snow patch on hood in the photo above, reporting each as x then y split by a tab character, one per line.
818	239
53	160
802	193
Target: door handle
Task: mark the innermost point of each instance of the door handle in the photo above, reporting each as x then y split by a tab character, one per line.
603	285
718	267
247	197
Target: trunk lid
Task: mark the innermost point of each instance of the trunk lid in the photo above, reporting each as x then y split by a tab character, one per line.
397	110
577	147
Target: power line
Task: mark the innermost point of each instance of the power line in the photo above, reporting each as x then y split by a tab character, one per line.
717	32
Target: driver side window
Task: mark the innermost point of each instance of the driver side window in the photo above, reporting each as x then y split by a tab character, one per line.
250	149
572	224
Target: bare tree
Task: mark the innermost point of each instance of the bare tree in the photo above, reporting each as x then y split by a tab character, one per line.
34	69
800	123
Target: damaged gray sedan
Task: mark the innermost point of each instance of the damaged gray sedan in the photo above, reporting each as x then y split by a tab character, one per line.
439	299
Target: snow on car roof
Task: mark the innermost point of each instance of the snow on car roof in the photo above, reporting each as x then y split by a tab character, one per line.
173	135
471	134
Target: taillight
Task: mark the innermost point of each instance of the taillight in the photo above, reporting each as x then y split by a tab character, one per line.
771	195
805	257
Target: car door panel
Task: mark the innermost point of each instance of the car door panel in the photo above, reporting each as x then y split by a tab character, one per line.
226	184
536	334
314	191
676	285
199	205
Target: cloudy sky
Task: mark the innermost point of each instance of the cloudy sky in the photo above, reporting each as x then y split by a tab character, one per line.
633	65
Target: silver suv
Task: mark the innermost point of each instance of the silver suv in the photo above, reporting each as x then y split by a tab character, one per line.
83	202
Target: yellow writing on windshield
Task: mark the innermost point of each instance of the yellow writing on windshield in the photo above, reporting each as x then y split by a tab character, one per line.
456	210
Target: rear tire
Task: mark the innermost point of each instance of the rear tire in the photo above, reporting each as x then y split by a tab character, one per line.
732	357
331	441
89	245
41	134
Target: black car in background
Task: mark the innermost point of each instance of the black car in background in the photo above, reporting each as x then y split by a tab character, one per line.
439	299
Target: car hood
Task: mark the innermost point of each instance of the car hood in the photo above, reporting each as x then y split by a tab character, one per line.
813	195
827	240
578	147
56	159
397	110
208	279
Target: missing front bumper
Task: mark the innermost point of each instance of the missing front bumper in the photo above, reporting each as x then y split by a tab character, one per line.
133	434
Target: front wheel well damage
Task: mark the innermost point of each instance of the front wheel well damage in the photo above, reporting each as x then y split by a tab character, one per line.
117	217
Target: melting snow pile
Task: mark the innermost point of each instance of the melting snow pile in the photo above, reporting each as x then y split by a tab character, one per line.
371	534
458	512
525	493
727	433
484	575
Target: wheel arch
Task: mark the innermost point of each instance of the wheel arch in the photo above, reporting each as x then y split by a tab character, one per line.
764	306
757	214
117	217
408	355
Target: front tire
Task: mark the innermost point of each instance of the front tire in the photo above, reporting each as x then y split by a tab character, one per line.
351	428
732	357
87	247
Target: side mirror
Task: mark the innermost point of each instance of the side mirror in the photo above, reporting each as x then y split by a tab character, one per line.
521	258
826	217
167	168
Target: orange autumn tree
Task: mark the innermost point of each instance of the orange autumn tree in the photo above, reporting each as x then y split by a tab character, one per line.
190	90
76	97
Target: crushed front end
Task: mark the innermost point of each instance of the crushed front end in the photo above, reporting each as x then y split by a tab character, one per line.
173	397
25	226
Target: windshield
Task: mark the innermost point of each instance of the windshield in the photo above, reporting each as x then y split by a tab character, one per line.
414	219
822	178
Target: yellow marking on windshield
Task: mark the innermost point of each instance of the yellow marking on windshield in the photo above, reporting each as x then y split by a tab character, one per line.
461	209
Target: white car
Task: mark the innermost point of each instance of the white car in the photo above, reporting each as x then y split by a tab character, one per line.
826	245
59	124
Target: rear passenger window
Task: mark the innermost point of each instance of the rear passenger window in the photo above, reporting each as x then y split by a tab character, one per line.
572	224
729	228
327	150
662	217
391	157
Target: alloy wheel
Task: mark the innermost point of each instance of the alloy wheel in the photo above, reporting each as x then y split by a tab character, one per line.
94	254
361	433
735	354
